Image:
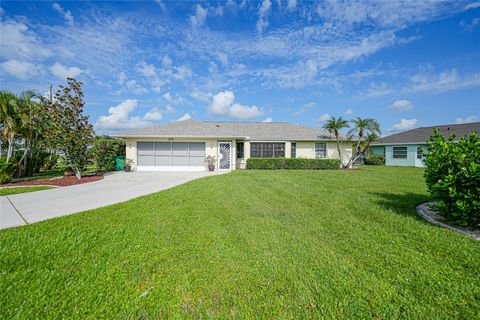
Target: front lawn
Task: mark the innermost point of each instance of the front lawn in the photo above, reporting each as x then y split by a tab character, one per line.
263	244
15	190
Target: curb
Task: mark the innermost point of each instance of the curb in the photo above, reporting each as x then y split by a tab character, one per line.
429	215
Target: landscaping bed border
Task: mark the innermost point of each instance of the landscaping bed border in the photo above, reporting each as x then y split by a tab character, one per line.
431	216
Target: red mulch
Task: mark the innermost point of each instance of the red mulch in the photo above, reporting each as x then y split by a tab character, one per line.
59	182
351	169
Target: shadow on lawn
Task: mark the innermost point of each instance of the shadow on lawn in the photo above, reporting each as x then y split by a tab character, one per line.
404	204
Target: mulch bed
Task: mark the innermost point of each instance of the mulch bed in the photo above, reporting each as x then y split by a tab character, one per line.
58	182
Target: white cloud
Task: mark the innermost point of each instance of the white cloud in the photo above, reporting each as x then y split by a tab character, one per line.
264	9
427	80
162	5
305	108
291	5
348	112
404	124
183	72
64	72
154	114
19	43
178	99
146	69
470	26
169	109
201	96
218	11
223	104
267	120
324	117
66	14
186	116
119	117
401	105
129	86
468	119
376	90
21	70
473	5
198	19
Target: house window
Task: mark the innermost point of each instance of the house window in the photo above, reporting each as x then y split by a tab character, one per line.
320	150
400	153
421	151
293	150
267	150
240	150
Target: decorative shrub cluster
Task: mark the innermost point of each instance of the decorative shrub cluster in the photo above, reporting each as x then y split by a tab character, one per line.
105	151
7	170
374	159
453	177
292	164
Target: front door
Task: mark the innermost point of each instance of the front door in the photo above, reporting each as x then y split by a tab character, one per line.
224	155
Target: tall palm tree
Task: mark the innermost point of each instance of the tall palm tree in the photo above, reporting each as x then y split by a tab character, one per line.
361	128
334	125
365	145
9	120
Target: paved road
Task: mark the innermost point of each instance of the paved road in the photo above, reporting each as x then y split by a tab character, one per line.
26	208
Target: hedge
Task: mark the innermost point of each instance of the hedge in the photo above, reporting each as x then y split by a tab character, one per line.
292	164
105	151
452	175
374	159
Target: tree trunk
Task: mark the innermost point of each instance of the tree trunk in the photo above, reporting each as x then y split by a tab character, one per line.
353	158
10	147
338	149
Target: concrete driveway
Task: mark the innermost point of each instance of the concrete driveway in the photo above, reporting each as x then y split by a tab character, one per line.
26	208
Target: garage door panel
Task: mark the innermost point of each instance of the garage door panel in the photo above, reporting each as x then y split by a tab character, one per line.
146	160
163	161
181	161
145	148
163	148
197	149
180	149
197	161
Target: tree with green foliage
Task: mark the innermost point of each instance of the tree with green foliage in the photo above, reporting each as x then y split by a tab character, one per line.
334	126
9	121
452	176
70	130
361	129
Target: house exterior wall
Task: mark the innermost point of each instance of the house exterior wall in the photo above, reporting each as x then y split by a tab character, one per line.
411	159
305	149
377	150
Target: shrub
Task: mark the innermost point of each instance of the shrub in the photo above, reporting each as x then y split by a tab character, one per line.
105	151
7	170
292	164
374	159
453	177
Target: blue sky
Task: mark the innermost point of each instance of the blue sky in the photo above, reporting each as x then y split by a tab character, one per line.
407	64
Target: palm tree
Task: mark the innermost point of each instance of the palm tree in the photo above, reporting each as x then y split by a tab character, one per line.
365	145
334	125
361	128
9	120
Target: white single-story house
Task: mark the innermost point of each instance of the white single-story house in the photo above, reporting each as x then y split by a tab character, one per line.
184	145
407	148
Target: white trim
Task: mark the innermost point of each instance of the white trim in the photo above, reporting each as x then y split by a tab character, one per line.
173	168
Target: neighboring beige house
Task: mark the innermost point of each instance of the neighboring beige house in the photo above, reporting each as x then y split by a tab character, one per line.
184	145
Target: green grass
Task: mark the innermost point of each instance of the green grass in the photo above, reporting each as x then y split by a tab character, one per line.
250	244
15	190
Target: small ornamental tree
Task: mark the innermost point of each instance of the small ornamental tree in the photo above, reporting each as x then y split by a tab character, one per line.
70	130
452	176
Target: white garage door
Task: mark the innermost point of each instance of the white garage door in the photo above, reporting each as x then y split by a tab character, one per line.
170	156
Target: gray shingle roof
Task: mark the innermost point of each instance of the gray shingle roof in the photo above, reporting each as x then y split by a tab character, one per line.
421	135
267	131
